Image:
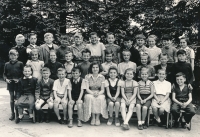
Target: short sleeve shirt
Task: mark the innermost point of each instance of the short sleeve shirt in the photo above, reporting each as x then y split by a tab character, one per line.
181	95
96	50
94	83
61	89
145	87
162	88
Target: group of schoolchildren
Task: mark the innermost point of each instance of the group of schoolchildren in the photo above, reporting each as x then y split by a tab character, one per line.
101	79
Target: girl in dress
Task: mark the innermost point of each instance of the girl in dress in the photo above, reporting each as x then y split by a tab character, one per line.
129	91
95	102
35	63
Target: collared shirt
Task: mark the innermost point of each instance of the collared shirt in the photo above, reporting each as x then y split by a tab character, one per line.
61	89
28	77
69	66
94	83
107	65
142	49
162	87
125	65
76	80
45	80
50	45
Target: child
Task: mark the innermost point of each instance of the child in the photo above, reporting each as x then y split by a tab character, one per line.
153	50
44	95
20	39
12	73
112	85
126	63
97	48
60	90
27	87
76	96
35	63
84	66
169	50
53	65
69	64
129	91
145	93
140	44
106	65
45	48
77	48
113	47
161	102
182	98
145	61
64	47
189	51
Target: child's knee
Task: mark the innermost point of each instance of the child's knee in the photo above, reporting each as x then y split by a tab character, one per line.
50	105
144	108
138	106
117	104
37	106
123	106
131	107
111	104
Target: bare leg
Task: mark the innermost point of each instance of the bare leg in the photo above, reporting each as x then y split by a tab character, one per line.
129	114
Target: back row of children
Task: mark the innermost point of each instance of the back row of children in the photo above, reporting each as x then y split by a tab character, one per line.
83	55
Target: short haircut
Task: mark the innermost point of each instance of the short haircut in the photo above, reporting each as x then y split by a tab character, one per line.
20	36
162	54
153	37
129	69
61	69
52	51
86	51
35	51
78	35
32	34
28	66
180	74
140	36
112	68
94	63
13	52
110	33
127	38
125	50
93	33
68	51
45	69
74	69
48	34
109	52
181	51
186	39
161	70
148	57
166	37
64	36
144	69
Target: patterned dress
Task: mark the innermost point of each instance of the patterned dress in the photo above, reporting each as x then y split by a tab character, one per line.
154	53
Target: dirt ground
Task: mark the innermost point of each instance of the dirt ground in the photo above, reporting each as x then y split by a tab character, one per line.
53	129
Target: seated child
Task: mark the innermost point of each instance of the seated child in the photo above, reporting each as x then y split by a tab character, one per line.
27	87
129	90
144	96
182	98
161	102
112	85
13	71
44	95
69	64
60	90
76	96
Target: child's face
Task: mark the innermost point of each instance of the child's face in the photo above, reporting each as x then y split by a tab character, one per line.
27	72
19	41
61	75
180	80
129	75
53	57
167	43
95	69
144	60
113	74
33	39
151	42
182	57
48	39
140	42
94	39
78	40
34	56
163	60
86	56
68	57
45	74
128	43
144	75
110	39
13	57
109	57
161	75
126	56
76	74
64	41
183	43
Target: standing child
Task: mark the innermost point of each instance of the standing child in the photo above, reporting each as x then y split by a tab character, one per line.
84	66
45	48
112	85
44	95
97	48
12	73
27	87
35	63
126	63
140	44
161	102
69	64
113	47
76	96
144	96
182	98
129	91
60	90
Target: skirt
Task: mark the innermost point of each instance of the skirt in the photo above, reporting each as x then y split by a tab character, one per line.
128	97
144	96
166	105
94	105
117	100
26	101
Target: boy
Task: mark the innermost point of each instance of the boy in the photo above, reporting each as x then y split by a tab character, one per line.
69	64
44	95
135	56
23	57
60	90
53	65
45	48
27	87
97	48
12	73
84	66
182	98
169	49
113	47
64	47
140	44
76	95
77	48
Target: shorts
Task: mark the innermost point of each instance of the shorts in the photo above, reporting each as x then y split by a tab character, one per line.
144	96
12	86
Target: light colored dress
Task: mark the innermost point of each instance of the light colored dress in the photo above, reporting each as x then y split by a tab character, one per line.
161	89
91	104
36	66
154	53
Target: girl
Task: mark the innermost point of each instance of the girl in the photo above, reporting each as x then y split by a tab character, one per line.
153	50
129	91
35	63
161	101
112	86
144	95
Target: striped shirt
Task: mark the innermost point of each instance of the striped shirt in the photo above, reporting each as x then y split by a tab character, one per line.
145	87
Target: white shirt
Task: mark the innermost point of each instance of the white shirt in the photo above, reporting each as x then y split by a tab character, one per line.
60	89
162	88
125	65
